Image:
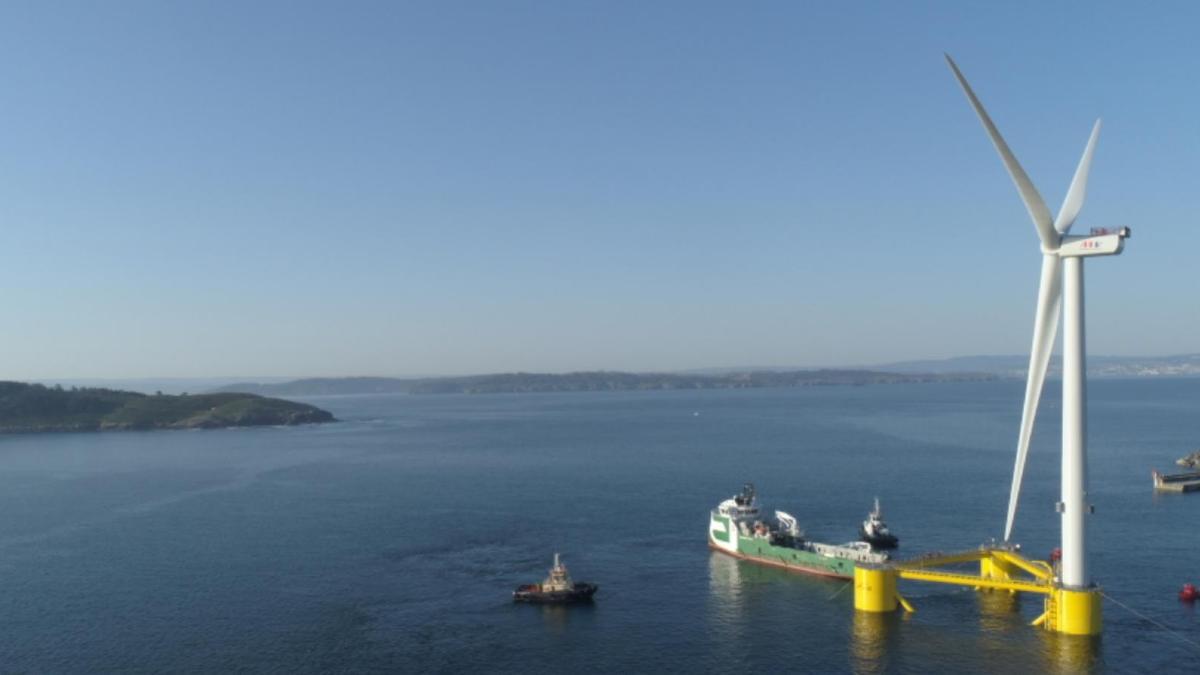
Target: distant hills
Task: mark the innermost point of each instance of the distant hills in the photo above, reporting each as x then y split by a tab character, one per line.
1181	365
589	381
957	368
35	407
327	386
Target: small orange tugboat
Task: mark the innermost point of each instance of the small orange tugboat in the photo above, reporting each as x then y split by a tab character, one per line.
557	588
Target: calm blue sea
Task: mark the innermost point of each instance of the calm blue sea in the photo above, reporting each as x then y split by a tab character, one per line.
392	540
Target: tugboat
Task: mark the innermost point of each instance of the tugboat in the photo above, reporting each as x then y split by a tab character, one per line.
737	529
556	589
875	532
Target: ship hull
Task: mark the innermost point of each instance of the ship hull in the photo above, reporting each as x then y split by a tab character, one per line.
580	593
794	560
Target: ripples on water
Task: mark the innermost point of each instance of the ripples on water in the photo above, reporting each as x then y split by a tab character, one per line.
392	540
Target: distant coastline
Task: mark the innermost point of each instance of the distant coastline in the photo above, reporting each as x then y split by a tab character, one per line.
31	408
1010	366
1098	365
512	383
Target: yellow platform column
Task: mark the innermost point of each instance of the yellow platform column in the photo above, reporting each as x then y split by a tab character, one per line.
1078	612
874	588
992	568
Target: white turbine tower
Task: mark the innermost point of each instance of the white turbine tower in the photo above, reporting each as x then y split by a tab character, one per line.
1061	286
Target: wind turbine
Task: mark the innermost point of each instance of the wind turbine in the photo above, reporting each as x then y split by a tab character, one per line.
1061	286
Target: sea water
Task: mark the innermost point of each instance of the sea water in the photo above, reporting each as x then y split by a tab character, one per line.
393	539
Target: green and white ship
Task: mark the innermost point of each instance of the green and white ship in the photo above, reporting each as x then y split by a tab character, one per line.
737	528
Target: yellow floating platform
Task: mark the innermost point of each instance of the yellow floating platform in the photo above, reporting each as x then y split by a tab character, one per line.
1067	610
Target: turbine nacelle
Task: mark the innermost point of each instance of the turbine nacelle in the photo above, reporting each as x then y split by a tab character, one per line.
1093	245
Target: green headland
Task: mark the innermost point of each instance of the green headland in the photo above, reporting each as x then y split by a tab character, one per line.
34	407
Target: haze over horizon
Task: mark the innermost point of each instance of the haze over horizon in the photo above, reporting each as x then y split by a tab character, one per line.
305	189
1004	365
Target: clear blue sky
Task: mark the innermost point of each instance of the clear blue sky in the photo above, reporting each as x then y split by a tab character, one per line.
255	188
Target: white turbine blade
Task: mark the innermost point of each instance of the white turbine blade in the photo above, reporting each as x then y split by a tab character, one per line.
1029	194
1078	190
1045	327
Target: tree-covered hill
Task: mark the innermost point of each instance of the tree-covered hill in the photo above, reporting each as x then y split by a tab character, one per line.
34	407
